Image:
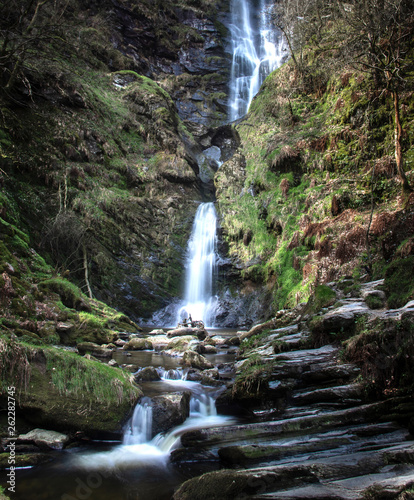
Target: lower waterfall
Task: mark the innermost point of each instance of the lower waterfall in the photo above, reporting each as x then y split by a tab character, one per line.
199	301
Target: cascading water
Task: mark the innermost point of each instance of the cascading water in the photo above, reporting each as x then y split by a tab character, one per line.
257	50
199	301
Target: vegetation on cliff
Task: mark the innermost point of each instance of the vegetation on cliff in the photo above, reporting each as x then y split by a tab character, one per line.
315	191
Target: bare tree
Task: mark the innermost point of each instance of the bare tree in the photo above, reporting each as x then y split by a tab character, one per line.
303	22
377	37
26	28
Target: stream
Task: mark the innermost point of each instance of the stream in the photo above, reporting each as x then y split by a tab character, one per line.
139	467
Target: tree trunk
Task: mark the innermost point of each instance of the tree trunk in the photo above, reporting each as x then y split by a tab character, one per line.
398	148
86	271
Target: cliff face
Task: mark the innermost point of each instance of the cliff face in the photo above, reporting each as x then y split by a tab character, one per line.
100	162
102	133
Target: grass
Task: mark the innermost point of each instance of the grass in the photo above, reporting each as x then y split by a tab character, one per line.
72	374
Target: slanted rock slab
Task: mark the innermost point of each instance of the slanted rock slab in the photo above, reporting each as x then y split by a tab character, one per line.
45	439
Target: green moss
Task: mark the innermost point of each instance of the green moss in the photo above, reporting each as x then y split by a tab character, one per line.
323	296
69	293
72	374
399	281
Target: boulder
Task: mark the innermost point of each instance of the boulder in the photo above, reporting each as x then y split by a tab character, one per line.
200	333
203	348
138	344
45	439
94	350
196	360
147	374
169	411
157	331
206	377
178	345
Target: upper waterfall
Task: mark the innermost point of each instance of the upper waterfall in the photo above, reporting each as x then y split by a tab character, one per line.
257	50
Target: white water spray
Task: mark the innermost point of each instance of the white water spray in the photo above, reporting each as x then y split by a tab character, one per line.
199	301
257	51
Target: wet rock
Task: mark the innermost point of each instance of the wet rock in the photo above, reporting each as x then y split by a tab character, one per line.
203	348
94	350
113	363
178	345
205	377
120	343
169	411
341	319
200	333
130	368
24	460
138	344
157	331
147	374
45	439
196	360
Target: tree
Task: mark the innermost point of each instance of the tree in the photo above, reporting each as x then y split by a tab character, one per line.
302	22
377	37
26	29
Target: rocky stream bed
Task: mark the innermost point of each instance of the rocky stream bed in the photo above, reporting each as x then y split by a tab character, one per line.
294	418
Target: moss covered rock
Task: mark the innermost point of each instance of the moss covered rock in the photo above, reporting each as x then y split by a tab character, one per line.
60	390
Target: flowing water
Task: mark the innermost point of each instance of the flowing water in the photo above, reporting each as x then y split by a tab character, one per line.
199	301
257	50
139	468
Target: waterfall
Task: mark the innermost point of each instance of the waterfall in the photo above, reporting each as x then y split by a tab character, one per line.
139	427
257	50
199	301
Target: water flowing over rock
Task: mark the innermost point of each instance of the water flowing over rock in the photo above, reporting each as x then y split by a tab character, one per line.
200	303
256	51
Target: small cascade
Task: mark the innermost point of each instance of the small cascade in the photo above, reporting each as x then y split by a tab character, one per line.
199	301
257	50
139	427
203	406
172	374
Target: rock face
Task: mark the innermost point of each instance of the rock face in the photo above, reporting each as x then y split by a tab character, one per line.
169	411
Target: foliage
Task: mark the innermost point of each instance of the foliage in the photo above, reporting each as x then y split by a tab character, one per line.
251	381
399	281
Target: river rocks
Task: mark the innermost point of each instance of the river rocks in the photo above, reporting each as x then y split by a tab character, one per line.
138	344
169	411
196	360
94	350
200	333
203	348
206	377
45	439
178	345
147	374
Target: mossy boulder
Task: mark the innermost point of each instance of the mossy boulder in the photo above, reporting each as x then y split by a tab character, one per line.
138	344
94	349
70	294
195	360
59	390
